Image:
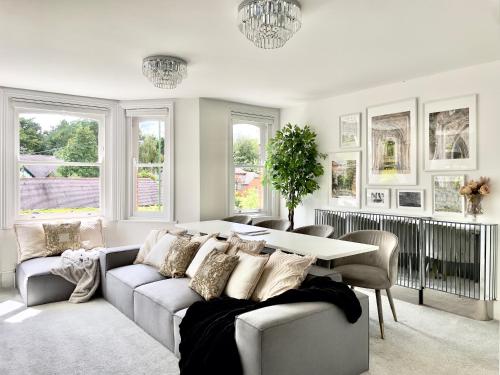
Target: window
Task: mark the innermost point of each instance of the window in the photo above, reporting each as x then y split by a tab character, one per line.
151	163
59	160
248	149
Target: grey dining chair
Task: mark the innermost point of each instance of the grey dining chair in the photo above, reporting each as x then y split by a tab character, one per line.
277	224
374	270
325	231
240	219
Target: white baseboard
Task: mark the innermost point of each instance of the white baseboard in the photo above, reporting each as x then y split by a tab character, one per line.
496	310
7	279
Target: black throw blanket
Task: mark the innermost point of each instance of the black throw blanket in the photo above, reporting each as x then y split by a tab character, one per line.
207	331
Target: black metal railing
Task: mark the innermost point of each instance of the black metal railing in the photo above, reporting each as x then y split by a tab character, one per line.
452	257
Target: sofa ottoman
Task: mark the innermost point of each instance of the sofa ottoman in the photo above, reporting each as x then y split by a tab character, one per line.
155	305
37	285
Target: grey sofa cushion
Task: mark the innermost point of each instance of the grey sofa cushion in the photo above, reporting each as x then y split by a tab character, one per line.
155	305
121	282
37	285
364	276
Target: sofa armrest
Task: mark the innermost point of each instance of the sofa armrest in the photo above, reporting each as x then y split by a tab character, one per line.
293	338
115	257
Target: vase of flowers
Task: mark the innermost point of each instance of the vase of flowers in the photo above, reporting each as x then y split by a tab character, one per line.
474	192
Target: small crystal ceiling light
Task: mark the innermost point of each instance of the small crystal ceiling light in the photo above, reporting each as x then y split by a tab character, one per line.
164	72
269	23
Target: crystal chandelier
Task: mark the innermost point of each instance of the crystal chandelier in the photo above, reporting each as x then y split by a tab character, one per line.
269	23
164	72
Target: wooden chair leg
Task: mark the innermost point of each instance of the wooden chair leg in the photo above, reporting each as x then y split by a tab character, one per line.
391	302
380	314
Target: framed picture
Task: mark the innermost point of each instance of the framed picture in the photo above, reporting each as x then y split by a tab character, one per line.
378	198
392	143
410	199
446	195
450	134
345	179
350	130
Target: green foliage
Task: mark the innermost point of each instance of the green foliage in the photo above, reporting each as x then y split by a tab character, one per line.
31	138
292	165
151	149
246	151
57	138
247	199
81	147
147	173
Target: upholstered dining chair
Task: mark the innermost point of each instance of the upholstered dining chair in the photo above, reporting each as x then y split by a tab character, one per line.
374	270
240	219
277	224
325	231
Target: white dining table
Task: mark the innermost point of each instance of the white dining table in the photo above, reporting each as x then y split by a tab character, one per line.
322	248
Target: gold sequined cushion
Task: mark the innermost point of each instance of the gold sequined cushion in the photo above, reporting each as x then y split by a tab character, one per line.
236	244
60	237
211	278
179	257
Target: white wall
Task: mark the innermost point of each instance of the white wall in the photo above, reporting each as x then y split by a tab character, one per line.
215	116
484	80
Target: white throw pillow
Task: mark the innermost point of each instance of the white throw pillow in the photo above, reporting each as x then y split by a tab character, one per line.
246	275
202	253
151	240
91	234
281	273
30	241
158	253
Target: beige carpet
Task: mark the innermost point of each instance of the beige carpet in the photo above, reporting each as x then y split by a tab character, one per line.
94	338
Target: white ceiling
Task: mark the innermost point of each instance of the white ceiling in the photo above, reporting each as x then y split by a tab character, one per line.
95	47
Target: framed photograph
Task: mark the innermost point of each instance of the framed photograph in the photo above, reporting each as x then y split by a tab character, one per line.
345	179
378	198
392	143
410	199
450	134
446	195
350	130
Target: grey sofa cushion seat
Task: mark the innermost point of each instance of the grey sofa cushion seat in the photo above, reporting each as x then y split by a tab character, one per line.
364	276
121	282
37	285
155	305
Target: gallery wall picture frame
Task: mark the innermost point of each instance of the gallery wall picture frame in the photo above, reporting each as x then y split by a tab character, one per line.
350	130
378	198
392	143
446	198
410	199
345	179
450	134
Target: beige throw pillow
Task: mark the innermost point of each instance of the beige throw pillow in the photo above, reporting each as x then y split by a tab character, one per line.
211	278
204	250
246	275
60	237
153	237
156	257
236	243
281	273
180	256
30	241
91	234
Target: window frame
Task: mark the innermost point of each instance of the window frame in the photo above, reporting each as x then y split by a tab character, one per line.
88	113
165	112
267	124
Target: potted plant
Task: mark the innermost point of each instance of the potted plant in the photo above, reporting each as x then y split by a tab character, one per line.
474	192
292	165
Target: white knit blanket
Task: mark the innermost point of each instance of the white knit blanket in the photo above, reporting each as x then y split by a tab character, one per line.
81	268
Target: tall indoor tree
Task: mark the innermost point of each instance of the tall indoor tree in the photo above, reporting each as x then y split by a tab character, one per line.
293	166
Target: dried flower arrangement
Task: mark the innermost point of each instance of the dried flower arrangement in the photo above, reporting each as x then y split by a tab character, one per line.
474	192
